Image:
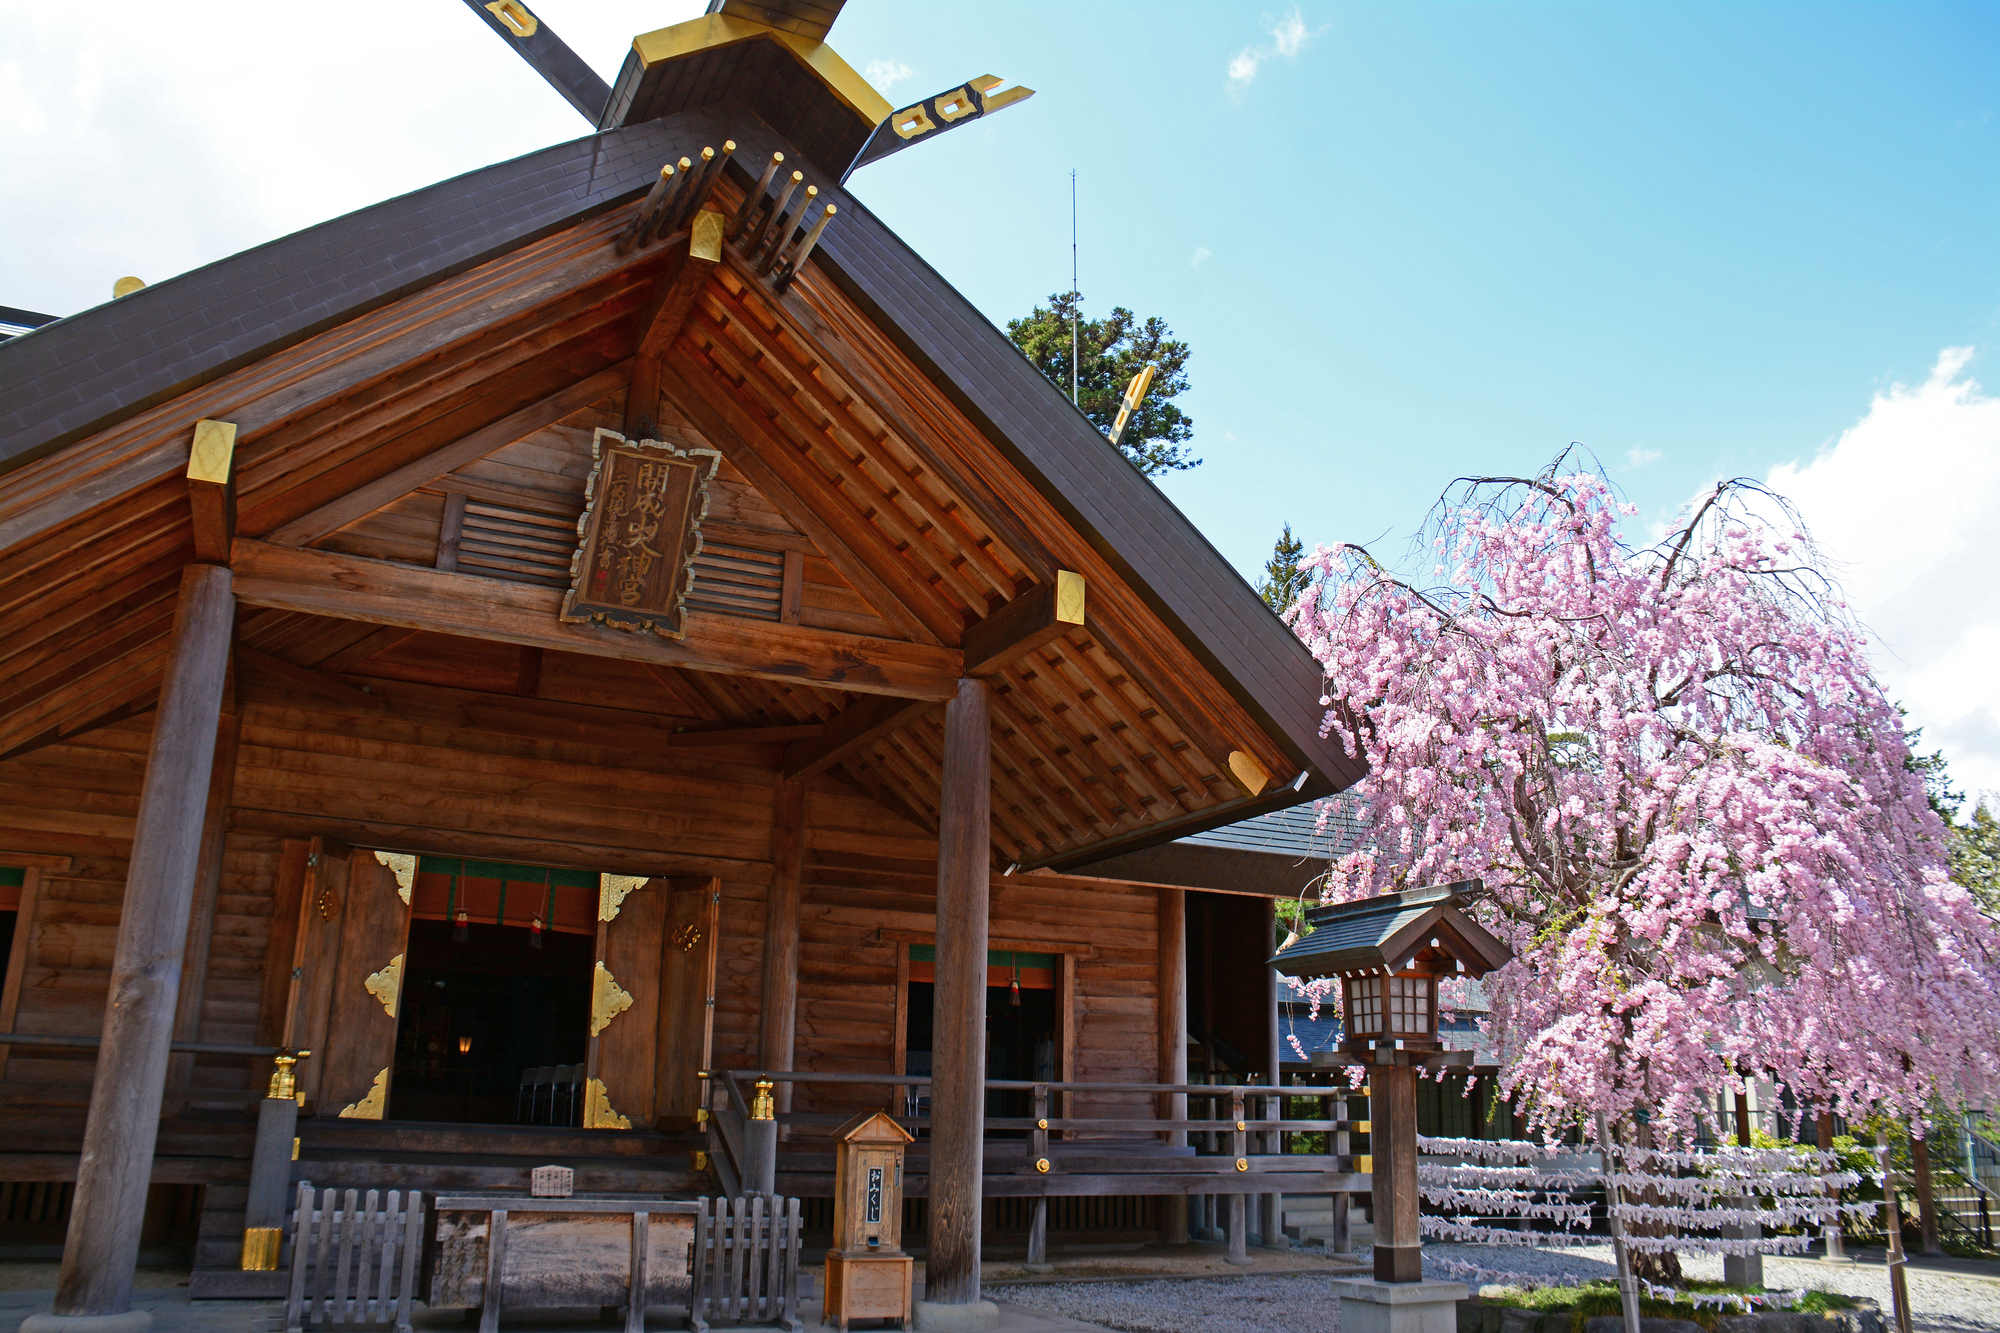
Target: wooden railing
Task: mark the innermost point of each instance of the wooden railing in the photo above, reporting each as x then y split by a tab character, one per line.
1114	1154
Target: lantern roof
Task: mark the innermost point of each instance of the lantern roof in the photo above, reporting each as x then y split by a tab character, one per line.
873	1127
1388	933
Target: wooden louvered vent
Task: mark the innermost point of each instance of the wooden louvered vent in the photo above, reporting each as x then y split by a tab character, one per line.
738	581
502	542
498	541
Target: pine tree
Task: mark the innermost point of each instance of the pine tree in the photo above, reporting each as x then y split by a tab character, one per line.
1283	581
1110	352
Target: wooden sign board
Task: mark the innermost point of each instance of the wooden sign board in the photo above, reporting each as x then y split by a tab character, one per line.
639	535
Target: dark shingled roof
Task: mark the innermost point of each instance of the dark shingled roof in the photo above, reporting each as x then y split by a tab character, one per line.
82	374
1281	854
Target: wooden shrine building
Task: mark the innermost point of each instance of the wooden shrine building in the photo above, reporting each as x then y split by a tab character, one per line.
561	636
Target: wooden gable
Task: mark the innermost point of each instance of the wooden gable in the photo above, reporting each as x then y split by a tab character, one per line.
414	474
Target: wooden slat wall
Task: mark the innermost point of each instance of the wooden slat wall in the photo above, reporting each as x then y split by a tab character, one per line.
448	763
866	871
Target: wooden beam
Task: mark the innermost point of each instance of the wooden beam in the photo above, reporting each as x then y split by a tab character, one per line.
366	648
642	406
675	292
212	490
331	583
855	727
1038	615
317	681
363	500
747	735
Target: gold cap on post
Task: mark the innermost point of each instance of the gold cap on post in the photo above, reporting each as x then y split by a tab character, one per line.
284	1078
763	1106
126	286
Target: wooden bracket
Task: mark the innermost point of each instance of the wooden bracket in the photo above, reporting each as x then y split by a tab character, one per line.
1044	612
212	490
674	292
853	728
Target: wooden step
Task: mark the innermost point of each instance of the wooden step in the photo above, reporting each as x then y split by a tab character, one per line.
436	1177
423	1137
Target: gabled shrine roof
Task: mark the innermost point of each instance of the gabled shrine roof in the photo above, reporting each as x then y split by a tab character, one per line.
92	373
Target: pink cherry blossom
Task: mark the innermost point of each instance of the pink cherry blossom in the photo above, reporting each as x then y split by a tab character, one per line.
1686	794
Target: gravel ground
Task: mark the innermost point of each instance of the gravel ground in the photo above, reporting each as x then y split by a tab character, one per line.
1213	1305
1941	1302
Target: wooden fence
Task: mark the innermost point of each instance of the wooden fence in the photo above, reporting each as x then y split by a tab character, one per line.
746	1262
347	1244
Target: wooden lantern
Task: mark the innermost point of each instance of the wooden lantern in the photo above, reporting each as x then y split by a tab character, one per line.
867	1274
1389	952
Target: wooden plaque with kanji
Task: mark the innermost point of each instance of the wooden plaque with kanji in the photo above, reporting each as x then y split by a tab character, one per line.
639	534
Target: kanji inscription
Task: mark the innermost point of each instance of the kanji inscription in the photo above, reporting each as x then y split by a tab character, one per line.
639	534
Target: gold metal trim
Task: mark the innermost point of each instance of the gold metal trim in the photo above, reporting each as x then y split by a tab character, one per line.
514	16
1361	1127
612	890
404	866
371	1106
1364	1165
1243	1164
1042	1165
260	1249
597	1112
607	998
387	985
705	236
713	30
214	445
1249	774
1241	1126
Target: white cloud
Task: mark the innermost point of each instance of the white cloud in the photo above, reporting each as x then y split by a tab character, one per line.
1907	501
1289	35
1638	457
1200	253
887	74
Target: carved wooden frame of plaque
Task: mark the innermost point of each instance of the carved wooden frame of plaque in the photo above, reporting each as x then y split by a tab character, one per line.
629	575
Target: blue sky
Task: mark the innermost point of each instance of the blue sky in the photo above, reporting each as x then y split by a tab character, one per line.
1406	241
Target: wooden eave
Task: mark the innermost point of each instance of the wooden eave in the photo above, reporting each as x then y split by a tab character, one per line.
909	446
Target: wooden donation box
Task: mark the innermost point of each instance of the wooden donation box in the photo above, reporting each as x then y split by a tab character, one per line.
867	1273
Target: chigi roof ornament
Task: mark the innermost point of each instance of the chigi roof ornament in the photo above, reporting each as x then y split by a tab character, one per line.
771	55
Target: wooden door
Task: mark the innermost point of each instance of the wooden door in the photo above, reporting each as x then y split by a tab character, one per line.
624	1002
367	992
687	1006
315	954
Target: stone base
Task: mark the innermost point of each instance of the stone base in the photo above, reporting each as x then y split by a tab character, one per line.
934	1317
1398	1307
132	1321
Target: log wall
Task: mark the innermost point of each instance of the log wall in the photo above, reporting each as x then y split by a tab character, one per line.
418	762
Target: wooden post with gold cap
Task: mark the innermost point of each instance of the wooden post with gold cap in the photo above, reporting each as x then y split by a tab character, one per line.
271	1166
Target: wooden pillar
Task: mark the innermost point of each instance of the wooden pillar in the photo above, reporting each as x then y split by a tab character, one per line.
1173	1044
1393	1134
118	1139
781	935
958	1061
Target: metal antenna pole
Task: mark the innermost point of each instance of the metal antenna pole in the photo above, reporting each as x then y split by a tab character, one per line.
1073	297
